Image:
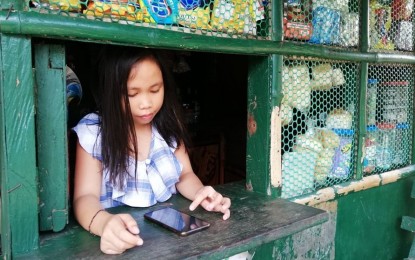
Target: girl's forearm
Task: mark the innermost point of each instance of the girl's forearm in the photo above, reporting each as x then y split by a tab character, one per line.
90	214
189	185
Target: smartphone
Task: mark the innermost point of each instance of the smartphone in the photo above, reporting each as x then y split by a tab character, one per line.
180	223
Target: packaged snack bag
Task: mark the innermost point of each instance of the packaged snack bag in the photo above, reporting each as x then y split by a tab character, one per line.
349	29
339	5
322	77
296	87
402	9
194	14
227	15
380	25
342	155
326	26
297	30
65	5
404	40
254	12
115	9
160	11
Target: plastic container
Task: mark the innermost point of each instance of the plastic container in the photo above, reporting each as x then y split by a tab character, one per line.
371	101
342	154
371	144
387	138
402	144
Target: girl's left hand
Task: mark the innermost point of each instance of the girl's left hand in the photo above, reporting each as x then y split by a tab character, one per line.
211	200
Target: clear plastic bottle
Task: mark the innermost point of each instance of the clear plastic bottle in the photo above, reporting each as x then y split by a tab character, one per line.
387	136
371	144
371	101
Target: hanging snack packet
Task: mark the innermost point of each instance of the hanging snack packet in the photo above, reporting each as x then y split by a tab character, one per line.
380	25
254	12
160	11
349	30
194	14
322	77
339	5
404	40
326	26
114	9
228	16
65	5
402	9
296	87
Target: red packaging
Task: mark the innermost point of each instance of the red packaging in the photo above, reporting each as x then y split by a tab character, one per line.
297	30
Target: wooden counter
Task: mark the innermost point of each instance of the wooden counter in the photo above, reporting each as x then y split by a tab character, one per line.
255	220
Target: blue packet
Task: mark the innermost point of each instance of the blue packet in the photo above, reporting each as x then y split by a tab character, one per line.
162	11
326	26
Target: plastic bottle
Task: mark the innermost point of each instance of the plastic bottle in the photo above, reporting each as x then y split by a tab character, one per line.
371	101
371	144
386	142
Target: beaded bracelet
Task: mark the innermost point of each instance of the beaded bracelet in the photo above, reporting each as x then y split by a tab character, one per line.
92	220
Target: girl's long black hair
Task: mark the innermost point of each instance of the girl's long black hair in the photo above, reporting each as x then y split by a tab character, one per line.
118	137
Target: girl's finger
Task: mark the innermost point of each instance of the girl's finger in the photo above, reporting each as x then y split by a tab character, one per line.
226	214
201	195
129	240
130	223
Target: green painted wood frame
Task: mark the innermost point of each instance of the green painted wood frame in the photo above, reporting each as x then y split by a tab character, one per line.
51	132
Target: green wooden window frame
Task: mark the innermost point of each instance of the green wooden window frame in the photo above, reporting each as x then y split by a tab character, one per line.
19	172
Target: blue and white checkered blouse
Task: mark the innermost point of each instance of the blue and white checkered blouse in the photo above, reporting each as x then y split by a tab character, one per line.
156	177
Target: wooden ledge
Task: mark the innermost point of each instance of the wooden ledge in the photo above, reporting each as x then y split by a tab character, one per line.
255	220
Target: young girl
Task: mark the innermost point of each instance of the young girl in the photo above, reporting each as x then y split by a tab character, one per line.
133	151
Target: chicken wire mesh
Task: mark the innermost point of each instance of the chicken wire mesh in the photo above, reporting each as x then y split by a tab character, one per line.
328	22
391	25
389	117
318	114
221	18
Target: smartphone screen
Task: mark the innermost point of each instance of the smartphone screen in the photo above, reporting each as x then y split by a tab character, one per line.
176	221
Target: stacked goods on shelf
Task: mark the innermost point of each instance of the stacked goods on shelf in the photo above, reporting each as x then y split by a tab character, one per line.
391	24
321	22
115	9
228	16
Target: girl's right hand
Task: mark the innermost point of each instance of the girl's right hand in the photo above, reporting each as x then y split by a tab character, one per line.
120	232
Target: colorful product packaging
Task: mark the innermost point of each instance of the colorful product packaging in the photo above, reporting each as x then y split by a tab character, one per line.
326	26
380	26
349	29
194	14
65	5
160	11
343	154
404	39
115	9
236	16
297	30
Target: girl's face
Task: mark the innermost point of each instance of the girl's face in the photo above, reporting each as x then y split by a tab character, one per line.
145	91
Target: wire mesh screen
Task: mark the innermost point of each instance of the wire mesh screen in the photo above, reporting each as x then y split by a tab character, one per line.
223	18
391	25
329	22
389	117
318	113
